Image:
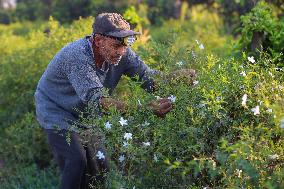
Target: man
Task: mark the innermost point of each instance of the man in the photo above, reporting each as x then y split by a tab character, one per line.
75	78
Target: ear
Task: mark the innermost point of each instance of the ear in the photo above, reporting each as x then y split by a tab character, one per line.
98	39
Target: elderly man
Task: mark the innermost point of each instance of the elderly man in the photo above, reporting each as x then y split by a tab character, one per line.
75	78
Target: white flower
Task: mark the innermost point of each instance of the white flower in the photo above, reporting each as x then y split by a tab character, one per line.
125	144
155	158
201	105
139	103
121	158
172	98
255	110
282	124
278	69
201	46
197	41
260	102
244	100
127	136
251	59
239	172
100	155
274	156
180	63
195	82
158	97
145	124
123	121
146	143
193	54
243	73
108	125
269	110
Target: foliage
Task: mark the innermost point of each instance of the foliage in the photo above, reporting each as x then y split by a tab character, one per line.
209	139
270	32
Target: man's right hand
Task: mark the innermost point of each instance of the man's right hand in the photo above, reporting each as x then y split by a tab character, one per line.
161	107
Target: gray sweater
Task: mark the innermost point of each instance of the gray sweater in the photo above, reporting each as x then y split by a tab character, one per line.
71	81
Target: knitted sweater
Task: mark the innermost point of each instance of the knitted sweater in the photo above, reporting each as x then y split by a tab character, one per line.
71	81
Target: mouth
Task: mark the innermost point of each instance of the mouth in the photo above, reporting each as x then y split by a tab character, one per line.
117	59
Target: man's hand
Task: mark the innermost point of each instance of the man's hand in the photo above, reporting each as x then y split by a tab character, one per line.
110	102
161	107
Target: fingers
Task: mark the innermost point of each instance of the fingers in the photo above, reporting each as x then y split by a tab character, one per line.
165	105
163	100
164	111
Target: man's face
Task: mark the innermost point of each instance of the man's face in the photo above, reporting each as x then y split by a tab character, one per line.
110	49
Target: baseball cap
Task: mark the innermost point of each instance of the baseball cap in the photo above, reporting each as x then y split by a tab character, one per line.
112	24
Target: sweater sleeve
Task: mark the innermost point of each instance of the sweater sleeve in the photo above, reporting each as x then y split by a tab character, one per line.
136	67
85	81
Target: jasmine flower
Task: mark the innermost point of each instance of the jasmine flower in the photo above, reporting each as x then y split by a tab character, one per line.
145	124
155	158
255	110
158	97
108	125
244	100
193	54
121	158
282	124
251	59
123	121
127	136
125	144
243	73
269	110
172	98
201	46
146	143
100	155
180	63
195	82
239	172
139	103
274	156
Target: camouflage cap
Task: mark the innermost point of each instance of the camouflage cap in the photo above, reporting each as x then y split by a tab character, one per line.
112	24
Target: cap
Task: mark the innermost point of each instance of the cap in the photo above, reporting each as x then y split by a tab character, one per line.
112	24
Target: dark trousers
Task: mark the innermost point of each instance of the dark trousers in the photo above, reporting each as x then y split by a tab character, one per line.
76	157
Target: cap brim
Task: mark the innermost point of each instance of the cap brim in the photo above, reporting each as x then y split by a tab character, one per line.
123	33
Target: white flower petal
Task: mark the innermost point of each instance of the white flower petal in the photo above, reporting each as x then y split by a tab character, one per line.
108	125
121	158
255	110
123	121
244	99
100	155
172	98
146	143
251	59
127	136
195	82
